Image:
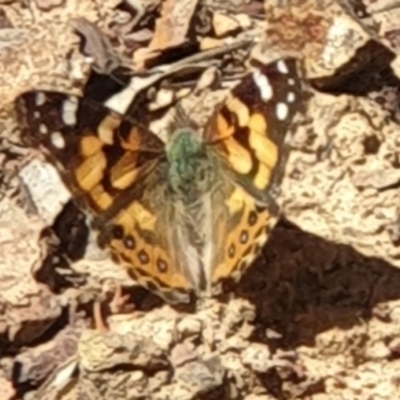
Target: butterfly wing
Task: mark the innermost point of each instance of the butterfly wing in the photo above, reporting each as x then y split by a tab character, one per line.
250	129
98	154
115	170
249	135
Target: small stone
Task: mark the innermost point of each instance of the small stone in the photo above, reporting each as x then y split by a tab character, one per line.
189	326
137	376
183	353
271	334
99	351
182	93
257	397
208	78
7	392
201	376
141	36
46	189
257	357
394	346
210	43
224	25
164	98
47	5
378	351
244	21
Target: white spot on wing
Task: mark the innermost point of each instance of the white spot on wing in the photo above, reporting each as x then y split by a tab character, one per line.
57	140
291	97
291	81
36	114
282	111
69	109
40	99
282	67
263	85
43	129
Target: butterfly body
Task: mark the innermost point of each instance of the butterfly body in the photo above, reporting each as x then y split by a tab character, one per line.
192	168
184	216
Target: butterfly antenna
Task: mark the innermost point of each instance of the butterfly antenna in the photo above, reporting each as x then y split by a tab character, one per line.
181	115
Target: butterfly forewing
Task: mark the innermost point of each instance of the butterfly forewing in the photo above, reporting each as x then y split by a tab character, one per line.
250	129
98	154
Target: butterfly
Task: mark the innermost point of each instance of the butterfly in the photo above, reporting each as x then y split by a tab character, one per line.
185	215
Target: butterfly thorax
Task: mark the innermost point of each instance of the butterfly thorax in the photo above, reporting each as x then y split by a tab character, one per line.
191	168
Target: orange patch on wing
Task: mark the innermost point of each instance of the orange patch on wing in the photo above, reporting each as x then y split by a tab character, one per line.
235	201
265	149
131	217
107	127
133	142
125	171
100	197
134	214
224	130
90	145
91	171
240	109
262	177
258	123
144	271
240	201
238	156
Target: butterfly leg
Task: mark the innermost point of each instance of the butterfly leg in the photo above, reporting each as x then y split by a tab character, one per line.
98	320
117	305
119	301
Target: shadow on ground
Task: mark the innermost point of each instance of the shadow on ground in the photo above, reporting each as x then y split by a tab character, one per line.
304	285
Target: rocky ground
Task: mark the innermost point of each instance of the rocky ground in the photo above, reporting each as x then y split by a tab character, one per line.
317	316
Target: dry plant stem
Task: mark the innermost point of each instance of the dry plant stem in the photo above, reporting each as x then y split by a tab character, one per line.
204	56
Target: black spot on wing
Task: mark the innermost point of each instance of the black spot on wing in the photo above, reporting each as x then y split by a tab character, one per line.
143	257
130	242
